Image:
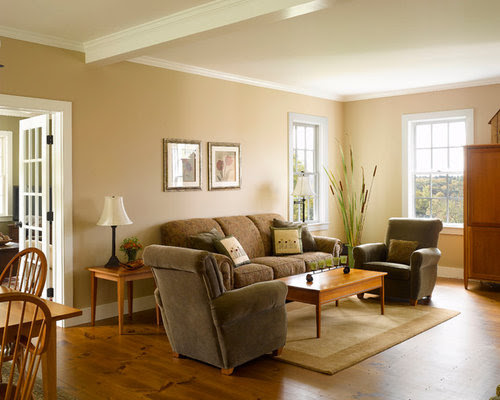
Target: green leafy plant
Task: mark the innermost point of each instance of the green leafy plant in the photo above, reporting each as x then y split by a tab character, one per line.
351	199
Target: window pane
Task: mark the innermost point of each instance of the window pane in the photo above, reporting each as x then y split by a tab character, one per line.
423	160
422	186
439	159
457	133
456	211
310	133
439	209
300	161
440	135
301	141
439	186
456	158
310	209
296	212
422	208
455	185
423	136
309	161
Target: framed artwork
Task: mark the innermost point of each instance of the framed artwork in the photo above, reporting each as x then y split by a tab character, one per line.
224	166
181	164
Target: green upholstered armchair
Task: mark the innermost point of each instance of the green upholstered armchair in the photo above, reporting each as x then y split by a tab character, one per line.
411	281
204	321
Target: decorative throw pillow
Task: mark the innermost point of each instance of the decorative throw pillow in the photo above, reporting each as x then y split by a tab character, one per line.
308	242
400	251
230	247
205	240
286	240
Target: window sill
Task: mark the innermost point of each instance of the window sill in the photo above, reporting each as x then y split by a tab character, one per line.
452	230
6	218
318	226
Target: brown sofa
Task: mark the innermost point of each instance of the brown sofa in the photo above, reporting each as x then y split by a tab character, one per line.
254	234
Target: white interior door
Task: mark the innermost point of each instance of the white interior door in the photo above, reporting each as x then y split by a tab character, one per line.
35	211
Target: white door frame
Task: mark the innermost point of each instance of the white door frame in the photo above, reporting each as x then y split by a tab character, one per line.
63	186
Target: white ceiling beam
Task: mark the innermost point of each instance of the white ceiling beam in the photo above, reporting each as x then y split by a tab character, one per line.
131	42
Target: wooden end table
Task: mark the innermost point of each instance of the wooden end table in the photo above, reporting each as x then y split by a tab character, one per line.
331	286
119	275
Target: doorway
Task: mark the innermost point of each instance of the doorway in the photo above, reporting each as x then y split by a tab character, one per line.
46	203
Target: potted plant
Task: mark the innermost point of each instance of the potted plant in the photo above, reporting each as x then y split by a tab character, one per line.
130	246
352	199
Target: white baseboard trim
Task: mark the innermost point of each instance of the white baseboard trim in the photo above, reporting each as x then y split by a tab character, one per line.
450	272
109	310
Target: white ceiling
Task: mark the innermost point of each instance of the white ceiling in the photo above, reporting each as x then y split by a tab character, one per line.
344	49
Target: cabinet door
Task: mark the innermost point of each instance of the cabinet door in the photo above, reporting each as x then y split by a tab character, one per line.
483	186
484	255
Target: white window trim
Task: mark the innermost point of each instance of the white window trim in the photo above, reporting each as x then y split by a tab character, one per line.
8	188
322	123
407	153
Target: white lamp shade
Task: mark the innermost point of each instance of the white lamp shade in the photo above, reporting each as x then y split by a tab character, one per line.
114	213
303	187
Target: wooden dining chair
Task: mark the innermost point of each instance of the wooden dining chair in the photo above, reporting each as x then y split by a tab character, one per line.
25	325
26	272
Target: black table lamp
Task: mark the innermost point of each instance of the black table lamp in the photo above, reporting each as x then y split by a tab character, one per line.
113	215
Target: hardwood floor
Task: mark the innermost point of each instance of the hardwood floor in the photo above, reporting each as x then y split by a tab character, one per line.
459	360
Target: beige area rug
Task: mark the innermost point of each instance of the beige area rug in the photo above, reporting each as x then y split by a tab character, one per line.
38	388
352	332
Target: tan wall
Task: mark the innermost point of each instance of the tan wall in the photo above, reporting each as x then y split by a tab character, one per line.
121	113
375	130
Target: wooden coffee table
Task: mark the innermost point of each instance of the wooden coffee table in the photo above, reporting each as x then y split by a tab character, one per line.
331	286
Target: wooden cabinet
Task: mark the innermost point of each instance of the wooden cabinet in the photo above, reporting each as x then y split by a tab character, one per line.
482	213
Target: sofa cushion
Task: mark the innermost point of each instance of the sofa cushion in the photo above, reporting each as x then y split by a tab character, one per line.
310	257
243	229
400	251
205	240
176	233
252	273
282	266
287	241
230	247
263	222
394	271
308	242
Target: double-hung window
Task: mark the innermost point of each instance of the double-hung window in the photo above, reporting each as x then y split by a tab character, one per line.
5	175
308	144
433	164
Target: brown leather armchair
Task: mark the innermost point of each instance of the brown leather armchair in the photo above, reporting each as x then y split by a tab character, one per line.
416	280
204	321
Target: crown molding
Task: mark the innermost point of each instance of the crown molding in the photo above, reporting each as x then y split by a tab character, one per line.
128	43
424	89
190	69
39	38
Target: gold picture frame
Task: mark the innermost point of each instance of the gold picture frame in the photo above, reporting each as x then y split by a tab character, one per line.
224	166
181	165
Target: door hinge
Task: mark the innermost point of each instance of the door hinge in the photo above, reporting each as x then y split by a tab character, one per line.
50	292
50	216
50	139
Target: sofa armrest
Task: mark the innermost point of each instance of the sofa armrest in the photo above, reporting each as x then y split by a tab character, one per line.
240	303
422	258
226	268
327	244
369	252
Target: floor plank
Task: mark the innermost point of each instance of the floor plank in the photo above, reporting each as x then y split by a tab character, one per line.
459	359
